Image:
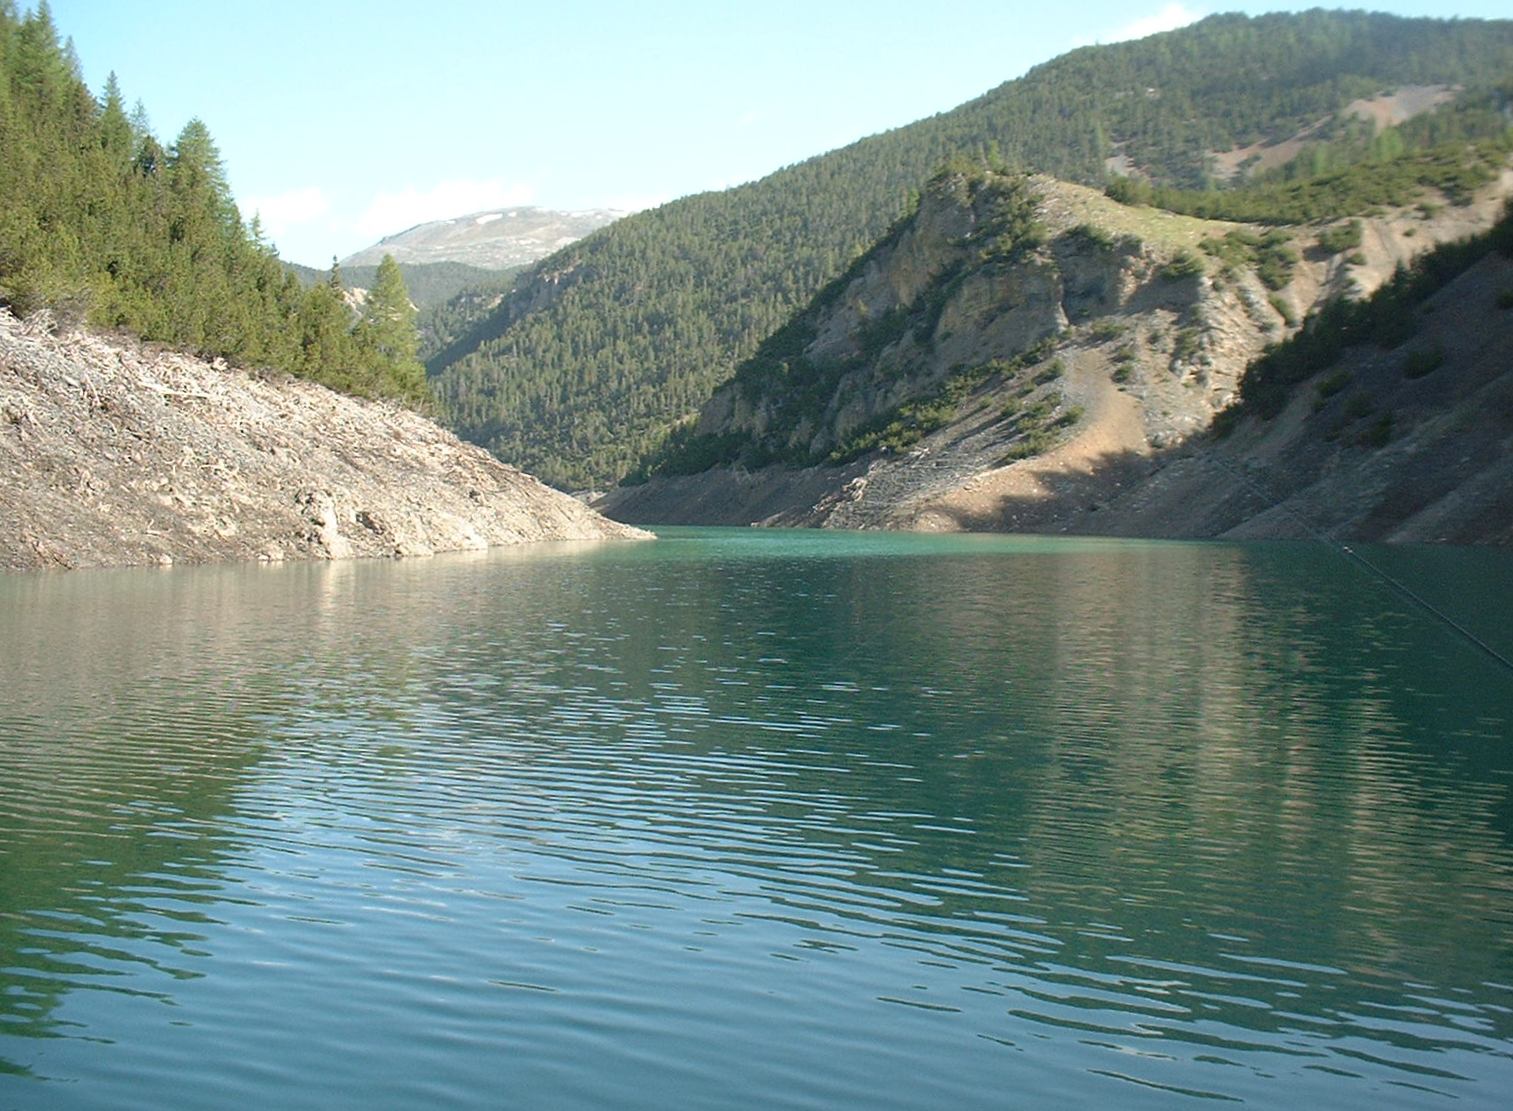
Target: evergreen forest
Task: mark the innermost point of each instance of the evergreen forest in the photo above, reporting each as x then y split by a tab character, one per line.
100	221
431	285
599	350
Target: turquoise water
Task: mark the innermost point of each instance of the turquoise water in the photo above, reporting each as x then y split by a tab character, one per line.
754	819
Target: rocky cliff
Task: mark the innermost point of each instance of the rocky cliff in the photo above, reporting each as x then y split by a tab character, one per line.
1022	354
114	453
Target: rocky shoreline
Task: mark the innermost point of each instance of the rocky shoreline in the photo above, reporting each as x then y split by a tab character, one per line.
115	453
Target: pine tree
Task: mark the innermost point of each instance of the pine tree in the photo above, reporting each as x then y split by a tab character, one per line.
97	220
115	128
327	351
387	340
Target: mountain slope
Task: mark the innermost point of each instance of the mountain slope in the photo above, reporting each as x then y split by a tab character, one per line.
585	365
119	454
430	284
1407	438
499	239
1023	354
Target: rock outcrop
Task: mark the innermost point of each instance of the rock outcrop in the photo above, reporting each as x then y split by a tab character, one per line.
948	385
114	453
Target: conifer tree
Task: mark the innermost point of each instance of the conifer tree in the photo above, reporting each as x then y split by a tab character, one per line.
327	352
97	220
387	340
115	127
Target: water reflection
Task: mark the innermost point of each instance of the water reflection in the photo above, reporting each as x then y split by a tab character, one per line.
122	751
1107	821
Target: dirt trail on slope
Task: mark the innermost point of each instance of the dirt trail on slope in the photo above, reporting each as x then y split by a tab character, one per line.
1113	428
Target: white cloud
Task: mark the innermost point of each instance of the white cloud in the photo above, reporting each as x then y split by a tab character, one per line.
389	213
290	209
1169	18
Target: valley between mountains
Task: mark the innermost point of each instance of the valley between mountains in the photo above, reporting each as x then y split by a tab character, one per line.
1028	313
1249	278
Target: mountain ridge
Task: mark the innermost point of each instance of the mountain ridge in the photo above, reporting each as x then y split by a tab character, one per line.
952	381
430	285
600	349
490	239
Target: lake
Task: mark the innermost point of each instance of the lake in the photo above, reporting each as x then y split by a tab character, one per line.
761	819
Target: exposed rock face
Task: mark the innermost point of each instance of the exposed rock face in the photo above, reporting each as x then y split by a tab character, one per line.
931	285
116	454
1130	358
1413	444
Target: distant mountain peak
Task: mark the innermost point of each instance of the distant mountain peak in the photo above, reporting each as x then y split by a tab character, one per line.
494	239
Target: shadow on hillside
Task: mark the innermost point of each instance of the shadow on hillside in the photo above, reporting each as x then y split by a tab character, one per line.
1116	493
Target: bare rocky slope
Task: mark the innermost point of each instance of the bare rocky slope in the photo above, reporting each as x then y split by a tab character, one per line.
1413	444
1072	389
495	240
114	453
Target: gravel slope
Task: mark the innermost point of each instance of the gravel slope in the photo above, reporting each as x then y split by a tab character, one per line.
113	453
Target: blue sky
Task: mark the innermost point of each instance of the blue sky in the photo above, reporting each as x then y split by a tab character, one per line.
344	121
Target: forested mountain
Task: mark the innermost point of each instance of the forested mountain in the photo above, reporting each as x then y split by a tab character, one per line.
601	347
1024	354
430	284
101	220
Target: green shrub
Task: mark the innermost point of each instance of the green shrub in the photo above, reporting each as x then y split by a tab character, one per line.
1334	383
1095	236
1357	407
1422	362
1184	264
1036	442
1276	265
1378	434
1270	255
1284	310
1109	328
1040	411
1054	369
1186	344
1340	238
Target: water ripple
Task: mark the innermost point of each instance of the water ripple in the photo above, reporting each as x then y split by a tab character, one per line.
734	819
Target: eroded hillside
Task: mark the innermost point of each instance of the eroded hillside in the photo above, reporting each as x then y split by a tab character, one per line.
119	454
1026	354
